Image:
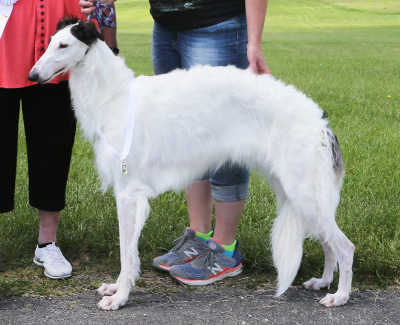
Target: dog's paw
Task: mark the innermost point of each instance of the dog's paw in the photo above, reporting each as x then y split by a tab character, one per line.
107	289
111	302
334	300
316	284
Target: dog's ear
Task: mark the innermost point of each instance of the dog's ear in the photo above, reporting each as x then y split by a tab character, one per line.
66	21
86	32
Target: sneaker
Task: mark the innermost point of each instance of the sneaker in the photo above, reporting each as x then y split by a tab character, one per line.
211	266
188	247
54	263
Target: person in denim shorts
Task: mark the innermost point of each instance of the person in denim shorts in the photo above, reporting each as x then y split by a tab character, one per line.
216	33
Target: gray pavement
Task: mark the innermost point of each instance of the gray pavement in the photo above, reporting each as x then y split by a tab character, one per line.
211	305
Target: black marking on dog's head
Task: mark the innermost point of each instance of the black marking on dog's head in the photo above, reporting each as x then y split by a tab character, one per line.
85	31
66	21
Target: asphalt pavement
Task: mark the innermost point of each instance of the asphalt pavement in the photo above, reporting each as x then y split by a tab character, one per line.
211	305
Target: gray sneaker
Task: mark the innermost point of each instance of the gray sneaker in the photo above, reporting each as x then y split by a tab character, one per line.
212	265
187	248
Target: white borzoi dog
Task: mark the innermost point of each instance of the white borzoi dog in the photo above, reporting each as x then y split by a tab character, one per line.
188	122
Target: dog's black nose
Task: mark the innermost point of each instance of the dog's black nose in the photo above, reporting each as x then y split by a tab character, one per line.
33	76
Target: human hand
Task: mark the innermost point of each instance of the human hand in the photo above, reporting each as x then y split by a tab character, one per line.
87	6
256	58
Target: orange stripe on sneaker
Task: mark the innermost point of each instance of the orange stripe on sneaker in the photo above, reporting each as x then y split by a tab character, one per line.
164	267
226	270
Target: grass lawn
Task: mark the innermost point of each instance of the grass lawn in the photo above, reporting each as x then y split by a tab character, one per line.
344	55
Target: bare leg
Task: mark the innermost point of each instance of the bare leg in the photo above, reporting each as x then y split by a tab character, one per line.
227	220
48	226
200	205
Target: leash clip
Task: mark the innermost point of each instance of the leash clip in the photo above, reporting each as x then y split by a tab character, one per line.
124	168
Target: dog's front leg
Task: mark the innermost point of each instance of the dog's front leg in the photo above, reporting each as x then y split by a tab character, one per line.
108	289
132	214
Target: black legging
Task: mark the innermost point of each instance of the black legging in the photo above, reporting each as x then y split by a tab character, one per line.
50	127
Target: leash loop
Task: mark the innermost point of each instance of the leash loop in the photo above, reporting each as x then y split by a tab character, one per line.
103	19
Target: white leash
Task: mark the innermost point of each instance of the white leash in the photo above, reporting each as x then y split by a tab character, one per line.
130	124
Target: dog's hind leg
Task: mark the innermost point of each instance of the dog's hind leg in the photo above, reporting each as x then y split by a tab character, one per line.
336	246
329	268
299	216
133	211
343	249
318	214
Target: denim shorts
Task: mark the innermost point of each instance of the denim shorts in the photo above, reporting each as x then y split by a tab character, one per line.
218	45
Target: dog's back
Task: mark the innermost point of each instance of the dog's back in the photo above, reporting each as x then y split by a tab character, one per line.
223	110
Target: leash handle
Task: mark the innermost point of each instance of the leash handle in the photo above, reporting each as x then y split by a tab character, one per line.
103	19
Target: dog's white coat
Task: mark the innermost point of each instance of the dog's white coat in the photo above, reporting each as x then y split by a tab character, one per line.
190	121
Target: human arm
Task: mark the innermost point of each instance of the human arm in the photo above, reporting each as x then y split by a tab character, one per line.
255	15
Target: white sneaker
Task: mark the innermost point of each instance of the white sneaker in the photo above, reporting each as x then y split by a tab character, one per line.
54	263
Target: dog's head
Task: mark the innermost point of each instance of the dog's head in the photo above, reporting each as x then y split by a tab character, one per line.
67	47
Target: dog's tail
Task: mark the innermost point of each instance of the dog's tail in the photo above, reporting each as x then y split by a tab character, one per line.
336	154
302	214
331	141
287	238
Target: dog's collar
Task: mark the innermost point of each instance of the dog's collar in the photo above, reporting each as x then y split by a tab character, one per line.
84	56
130	123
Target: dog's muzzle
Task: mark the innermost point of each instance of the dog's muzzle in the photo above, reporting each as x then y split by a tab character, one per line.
33	76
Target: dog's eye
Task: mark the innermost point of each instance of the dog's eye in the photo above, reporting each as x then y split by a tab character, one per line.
63	46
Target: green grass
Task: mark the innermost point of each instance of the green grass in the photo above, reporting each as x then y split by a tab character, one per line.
343	54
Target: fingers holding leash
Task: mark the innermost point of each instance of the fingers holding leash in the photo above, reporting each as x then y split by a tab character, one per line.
87	6
104	12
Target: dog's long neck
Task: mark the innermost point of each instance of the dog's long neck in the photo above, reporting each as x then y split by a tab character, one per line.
95	83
